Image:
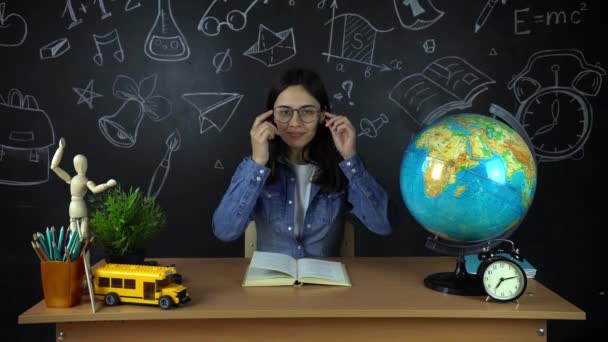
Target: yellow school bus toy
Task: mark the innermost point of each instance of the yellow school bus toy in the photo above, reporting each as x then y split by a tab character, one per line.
142	284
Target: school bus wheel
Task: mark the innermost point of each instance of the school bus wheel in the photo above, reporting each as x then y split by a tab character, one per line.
112	299
165	302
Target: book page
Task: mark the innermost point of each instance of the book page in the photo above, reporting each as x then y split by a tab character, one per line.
275	262
329	270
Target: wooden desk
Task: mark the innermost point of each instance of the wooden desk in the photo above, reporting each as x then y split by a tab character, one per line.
387	301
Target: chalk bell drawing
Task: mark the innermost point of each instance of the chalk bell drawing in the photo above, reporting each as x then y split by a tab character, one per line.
165	41
139	101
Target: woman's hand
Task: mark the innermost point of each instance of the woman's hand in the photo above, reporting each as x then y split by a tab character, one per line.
261	132
343	132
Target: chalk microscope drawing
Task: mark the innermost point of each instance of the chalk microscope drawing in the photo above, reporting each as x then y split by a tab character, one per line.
214	109
26	135
553	101
172	143
13	28
87	95
110	43
165	41
139	101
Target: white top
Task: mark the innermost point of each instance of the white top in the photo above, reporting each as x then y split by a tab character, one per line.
304	175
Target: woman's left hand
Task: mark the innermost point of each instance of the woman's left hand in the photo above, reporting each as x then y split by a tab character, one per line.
343	132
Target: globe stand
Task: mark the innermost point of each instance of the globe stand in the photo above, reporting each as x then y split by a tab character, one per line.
458	282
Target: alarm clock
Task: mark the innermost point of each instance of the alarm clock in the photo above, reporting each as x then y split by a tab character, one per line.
501	277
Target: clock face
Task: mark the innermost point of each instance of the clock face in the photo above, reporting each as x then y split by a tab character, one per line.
504	280
558	121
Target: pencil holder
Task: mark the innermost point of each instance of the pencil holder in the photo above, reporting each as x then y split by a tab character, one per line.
62	283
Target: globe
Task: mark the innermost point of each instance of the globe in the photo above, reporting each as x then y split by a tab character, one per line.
468	178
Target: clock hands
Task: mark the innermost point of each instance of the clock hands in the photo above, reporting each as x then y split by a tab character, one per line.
555	110
503	279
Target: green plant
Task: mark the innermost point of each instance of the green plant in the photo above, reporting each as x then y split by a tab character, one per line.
126	221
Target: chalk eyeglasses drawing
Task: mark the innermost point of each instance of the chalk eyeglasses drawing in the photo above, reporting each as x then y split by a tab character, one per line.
236	20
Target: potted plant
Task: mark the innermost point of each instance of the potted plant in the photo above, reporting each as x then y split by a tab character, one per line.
124	222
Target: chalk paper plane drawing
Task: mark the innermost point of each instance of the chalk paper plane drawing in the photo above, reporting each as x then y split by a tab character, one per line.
165	41
86	95
26	135
55	48
214	109
139	101
553	90
446	84
110	43
13	28
272	48
417	14
352	38
236	20
173	142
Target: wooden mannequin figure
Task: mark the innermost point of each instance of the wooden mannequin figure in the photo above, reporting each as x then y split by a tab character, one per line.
78	188
78	208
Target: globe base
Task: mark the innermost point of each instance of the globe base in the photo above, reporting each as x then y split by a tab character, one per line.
453	283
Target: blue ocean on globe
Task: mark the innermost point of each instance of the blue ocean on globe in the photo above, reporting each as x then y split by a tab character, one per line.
468	178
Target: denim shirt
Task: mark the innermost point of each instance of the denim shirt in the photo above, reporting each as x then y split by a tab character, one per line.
271	206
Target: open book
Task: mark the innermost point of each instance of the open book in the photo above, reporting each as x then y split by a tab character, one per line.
275	269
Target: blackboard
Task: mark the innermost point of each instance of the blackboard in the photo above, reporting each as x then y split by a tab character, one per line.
185	79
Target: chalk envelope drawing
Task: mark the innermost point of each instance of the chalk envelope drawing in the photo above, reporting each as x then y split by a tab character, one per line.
272	48
215	109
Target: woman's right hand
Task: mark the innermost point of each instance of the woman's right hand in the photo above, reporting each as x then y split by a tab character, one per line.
261	132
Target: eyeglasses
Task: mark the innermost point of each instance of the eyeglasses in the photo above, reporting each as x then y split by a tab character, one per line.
307	114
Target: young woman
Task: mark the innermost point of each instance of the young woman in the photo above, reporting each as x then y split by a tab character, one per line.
302	177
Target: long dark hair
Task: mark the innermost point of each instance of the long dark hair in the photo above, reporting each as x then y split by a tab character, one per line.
321	151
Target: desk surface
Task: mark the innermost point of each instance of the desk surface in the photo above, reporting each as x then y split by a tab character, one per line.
382	287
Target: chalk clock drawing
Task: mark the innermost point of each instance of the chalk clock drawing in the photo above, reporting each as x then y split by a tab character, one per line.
553	90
